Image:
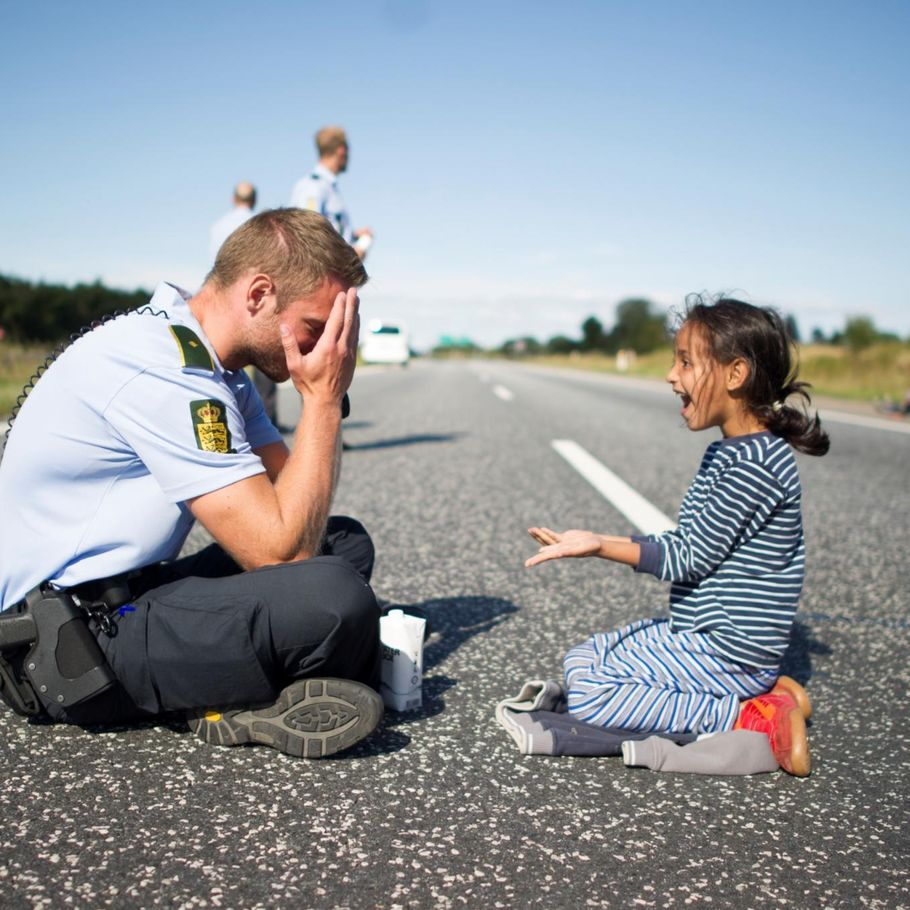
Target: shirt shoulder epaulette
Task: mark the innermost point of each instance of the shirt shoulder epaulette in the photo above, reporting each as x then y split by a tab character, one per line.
194	355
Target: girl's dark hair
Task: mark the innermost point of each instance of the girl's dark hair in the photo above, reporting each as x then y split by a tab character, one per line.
733	329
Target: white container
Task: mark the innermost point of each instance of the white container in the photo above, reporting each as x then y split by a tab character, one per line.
401	636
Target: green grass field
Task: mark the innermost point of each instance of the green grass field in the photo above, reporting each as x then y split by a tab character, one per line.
880	371
17	365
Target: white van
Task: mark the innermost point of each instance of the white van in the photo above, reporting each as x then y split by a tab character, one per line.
385	342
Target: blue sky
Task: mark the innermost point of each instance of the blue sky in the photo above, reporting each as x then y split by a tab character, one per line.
523	164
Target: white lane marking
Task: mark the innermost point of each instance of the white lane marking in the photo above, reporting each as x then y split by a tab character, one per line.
645	517
858	420
500	391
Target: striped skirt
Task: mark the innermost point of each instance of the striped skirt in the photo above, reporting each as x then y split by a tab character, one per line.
645	678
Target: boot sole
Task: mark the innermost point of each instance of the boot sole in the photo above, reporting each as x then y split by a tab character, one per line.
312	718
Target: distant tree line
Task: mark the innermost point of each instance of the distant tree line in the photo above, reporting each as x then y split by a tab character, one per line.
858	333
37	312
51	312
639	327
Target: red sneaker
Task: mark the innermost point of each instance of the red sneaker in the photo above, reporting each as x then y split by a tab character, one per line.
788	685
778	716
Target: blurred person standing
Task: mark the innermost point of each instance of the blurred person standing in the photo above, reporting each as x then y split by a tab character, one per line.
318	190
244	203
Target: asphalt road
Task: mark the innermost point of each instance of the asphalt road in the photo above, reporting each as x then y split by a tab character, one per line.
449	464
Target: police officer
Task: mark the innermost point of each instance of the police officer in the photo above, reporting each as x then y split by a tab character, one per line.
149	423
318	190
244	203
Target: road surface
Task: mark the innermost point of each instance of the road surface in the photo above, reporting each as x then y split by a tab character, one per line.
449	464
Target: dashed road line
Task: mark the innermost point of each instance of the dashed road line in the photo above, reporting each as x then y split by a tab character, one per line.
646	517
500	391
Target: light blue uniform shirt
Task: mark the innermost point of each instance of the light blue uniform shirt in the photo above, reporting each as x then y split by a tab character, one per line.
318	192
112	440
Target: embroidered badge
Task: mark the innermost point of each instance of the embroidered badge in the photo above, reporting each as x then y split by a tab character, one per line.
210	425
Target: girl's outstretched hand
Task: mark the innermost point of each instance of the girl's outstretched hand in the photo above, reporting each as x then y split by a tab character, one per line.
555	545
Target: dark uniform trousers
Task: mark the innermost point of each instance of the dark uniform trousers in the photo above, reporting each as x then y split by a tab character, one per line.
201	633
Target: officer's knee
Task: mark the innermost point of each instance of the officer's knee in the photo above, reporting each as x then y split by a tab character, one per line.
348	539
351	600
335	594
346	525
322	600
326	623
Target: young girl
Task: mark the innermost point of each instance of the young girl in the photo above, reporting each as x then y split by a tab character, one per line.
735	562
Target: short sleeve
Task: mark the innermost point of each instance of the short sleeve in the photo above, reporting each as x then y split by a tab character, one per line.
260	431
186	428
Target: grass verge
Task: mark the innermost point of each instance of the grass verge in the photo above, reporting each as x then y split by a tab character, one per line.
17	365
878	372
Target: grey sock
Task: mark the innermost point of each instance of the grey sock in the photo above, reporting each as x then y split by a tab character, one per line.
734	752
530	737
639	753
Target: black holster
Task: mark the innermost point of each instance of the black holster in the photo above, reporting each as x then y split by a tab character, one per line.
49	654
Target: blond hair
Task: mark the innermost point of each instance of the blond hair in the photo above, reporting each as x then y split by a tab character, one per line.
329	139
296	248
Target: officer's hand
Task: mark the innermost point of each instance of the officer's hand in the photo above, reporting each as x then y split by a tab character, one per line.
325	373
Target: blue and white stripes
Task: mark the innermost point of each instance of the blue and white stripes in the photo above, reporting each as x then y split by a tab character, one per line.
645	677
737	558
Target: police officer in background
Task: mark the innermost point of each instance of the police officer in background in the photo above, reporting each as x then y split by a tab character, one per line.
318	191
148	423
244	203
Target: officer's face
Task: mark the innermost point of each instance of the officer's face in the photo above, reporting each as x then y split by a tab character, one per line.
306	318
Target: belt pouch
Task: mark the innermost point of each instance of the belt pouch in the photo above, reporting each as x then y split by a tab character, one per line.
65	665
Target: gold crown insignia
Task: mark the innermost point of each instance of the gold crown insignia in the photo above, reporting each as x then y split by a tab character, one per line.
209	413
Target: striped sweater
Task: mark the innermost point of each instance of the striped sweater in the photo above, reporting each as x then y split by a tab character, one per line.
736	561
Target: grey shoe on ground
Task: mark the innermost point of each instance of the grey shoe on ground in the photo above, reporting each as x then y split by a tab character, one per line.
311	718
